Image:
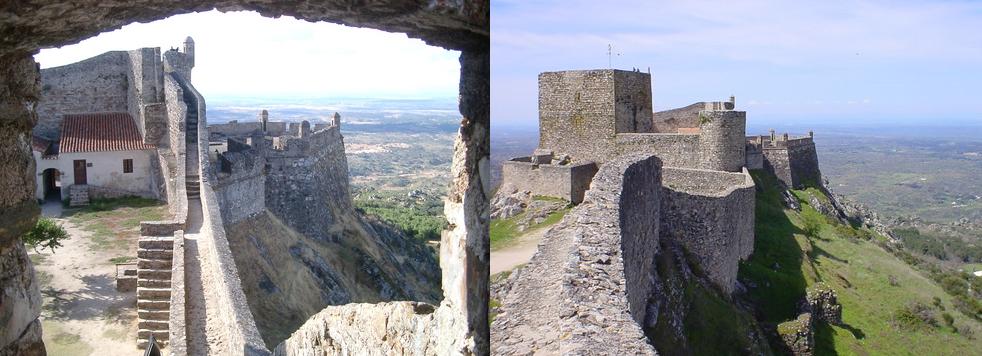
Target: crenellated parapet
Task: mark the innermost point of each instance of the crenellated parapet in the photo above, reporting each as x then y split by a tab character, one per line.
793	159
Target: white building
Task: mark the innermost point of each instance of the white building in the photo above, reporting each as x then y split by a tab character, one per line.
98	154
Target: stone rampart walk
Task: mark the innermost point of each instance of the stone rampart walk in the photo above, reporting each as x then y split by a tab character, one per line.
531	308
205	328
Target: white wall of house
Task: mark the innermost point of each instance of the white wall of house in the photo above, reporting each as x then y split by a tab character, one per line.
106	171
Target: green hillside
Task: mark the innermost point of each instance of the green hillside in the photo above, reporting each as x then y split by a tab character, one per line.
888	306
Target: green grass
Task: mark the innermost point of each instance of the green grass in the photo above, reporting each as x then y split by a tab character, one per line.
857	269
504	232
121	259
57	341
112	222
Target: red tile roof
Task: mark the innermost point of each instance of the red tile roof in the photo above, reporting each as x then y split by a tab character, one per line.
100	132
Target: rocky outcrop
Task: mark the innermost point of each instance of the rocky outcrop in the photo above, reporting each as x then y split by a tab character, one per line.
822	302
798	335
509	202
20	298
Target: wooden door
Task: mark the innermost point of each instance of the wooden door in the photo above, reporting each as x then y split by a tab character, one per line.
80	171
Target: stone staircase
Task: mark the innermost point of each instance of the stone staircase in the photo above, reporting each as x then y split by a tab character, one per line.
192	118
78	194
153	287
193	186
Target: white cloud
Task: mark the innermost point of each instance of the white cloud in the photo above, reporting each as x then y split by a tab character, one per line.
245	54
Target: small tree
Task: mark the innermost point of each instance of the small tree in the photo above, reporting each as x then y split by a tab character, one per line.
45	234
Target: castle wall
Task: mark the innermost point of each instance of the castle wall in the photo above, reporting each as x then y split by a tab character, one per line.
307	183
722	140
794	162
675	150
237	129
711	214
172	156
145	79
241	193
616	234
97	84
569	182
755	157
240	334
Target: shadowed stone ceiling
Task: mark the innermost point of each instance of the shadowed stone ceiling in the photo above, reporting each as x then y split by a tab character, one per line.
29	25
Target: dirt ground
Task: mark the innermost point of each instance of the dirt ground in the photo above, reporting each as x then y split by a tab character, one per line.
520	252
82	313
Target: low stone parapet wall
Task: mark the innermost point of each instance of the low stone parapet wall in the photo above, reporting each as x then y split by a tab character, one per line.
161	228
710	214
568	182
612	273
674	149
241	334
177	342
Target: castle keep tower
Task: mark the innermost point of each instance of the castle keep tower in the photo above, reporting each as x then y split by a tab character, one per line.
263	119
582	111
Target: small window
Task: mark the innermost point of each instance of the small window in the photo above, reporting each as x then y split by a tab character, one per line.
128	165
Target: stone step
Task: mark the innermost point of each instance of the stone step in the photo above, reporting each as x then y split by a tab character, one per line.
159	335
153	274
155	254
154	264
148	304
146	314
153	283
153	293
154	325
156	242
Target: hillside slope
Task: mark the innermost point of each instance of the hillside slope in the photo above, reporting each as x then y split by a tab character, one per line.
287	277
888	306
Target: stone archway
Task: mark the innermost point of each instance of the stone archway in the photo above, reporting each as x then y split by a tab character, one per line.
26	27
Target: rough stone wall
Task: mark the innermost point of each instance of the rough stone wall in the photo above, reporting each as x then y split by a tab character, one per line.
146	77
755	156
675	150
722	139
632	101
710	214
795	164
576	114
20	298
569	182
97	84
241	193
585	291
172	156
239	129
307	183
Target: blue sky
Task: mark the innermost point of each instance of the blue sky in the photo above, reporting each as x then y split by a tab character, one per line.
787	62
242	54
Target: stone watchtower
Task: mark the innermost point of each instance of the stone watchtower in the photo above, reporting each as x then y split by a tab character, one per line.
263	119
722	137
582	111
336	121
189	50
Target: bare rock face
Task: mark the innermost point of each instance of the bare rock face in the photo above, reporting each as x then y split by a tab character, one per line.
20	298
509	202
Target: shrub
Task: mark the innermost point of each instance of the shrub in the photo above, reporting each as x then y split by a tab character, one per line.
914	315
948	319
45	234
811	225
